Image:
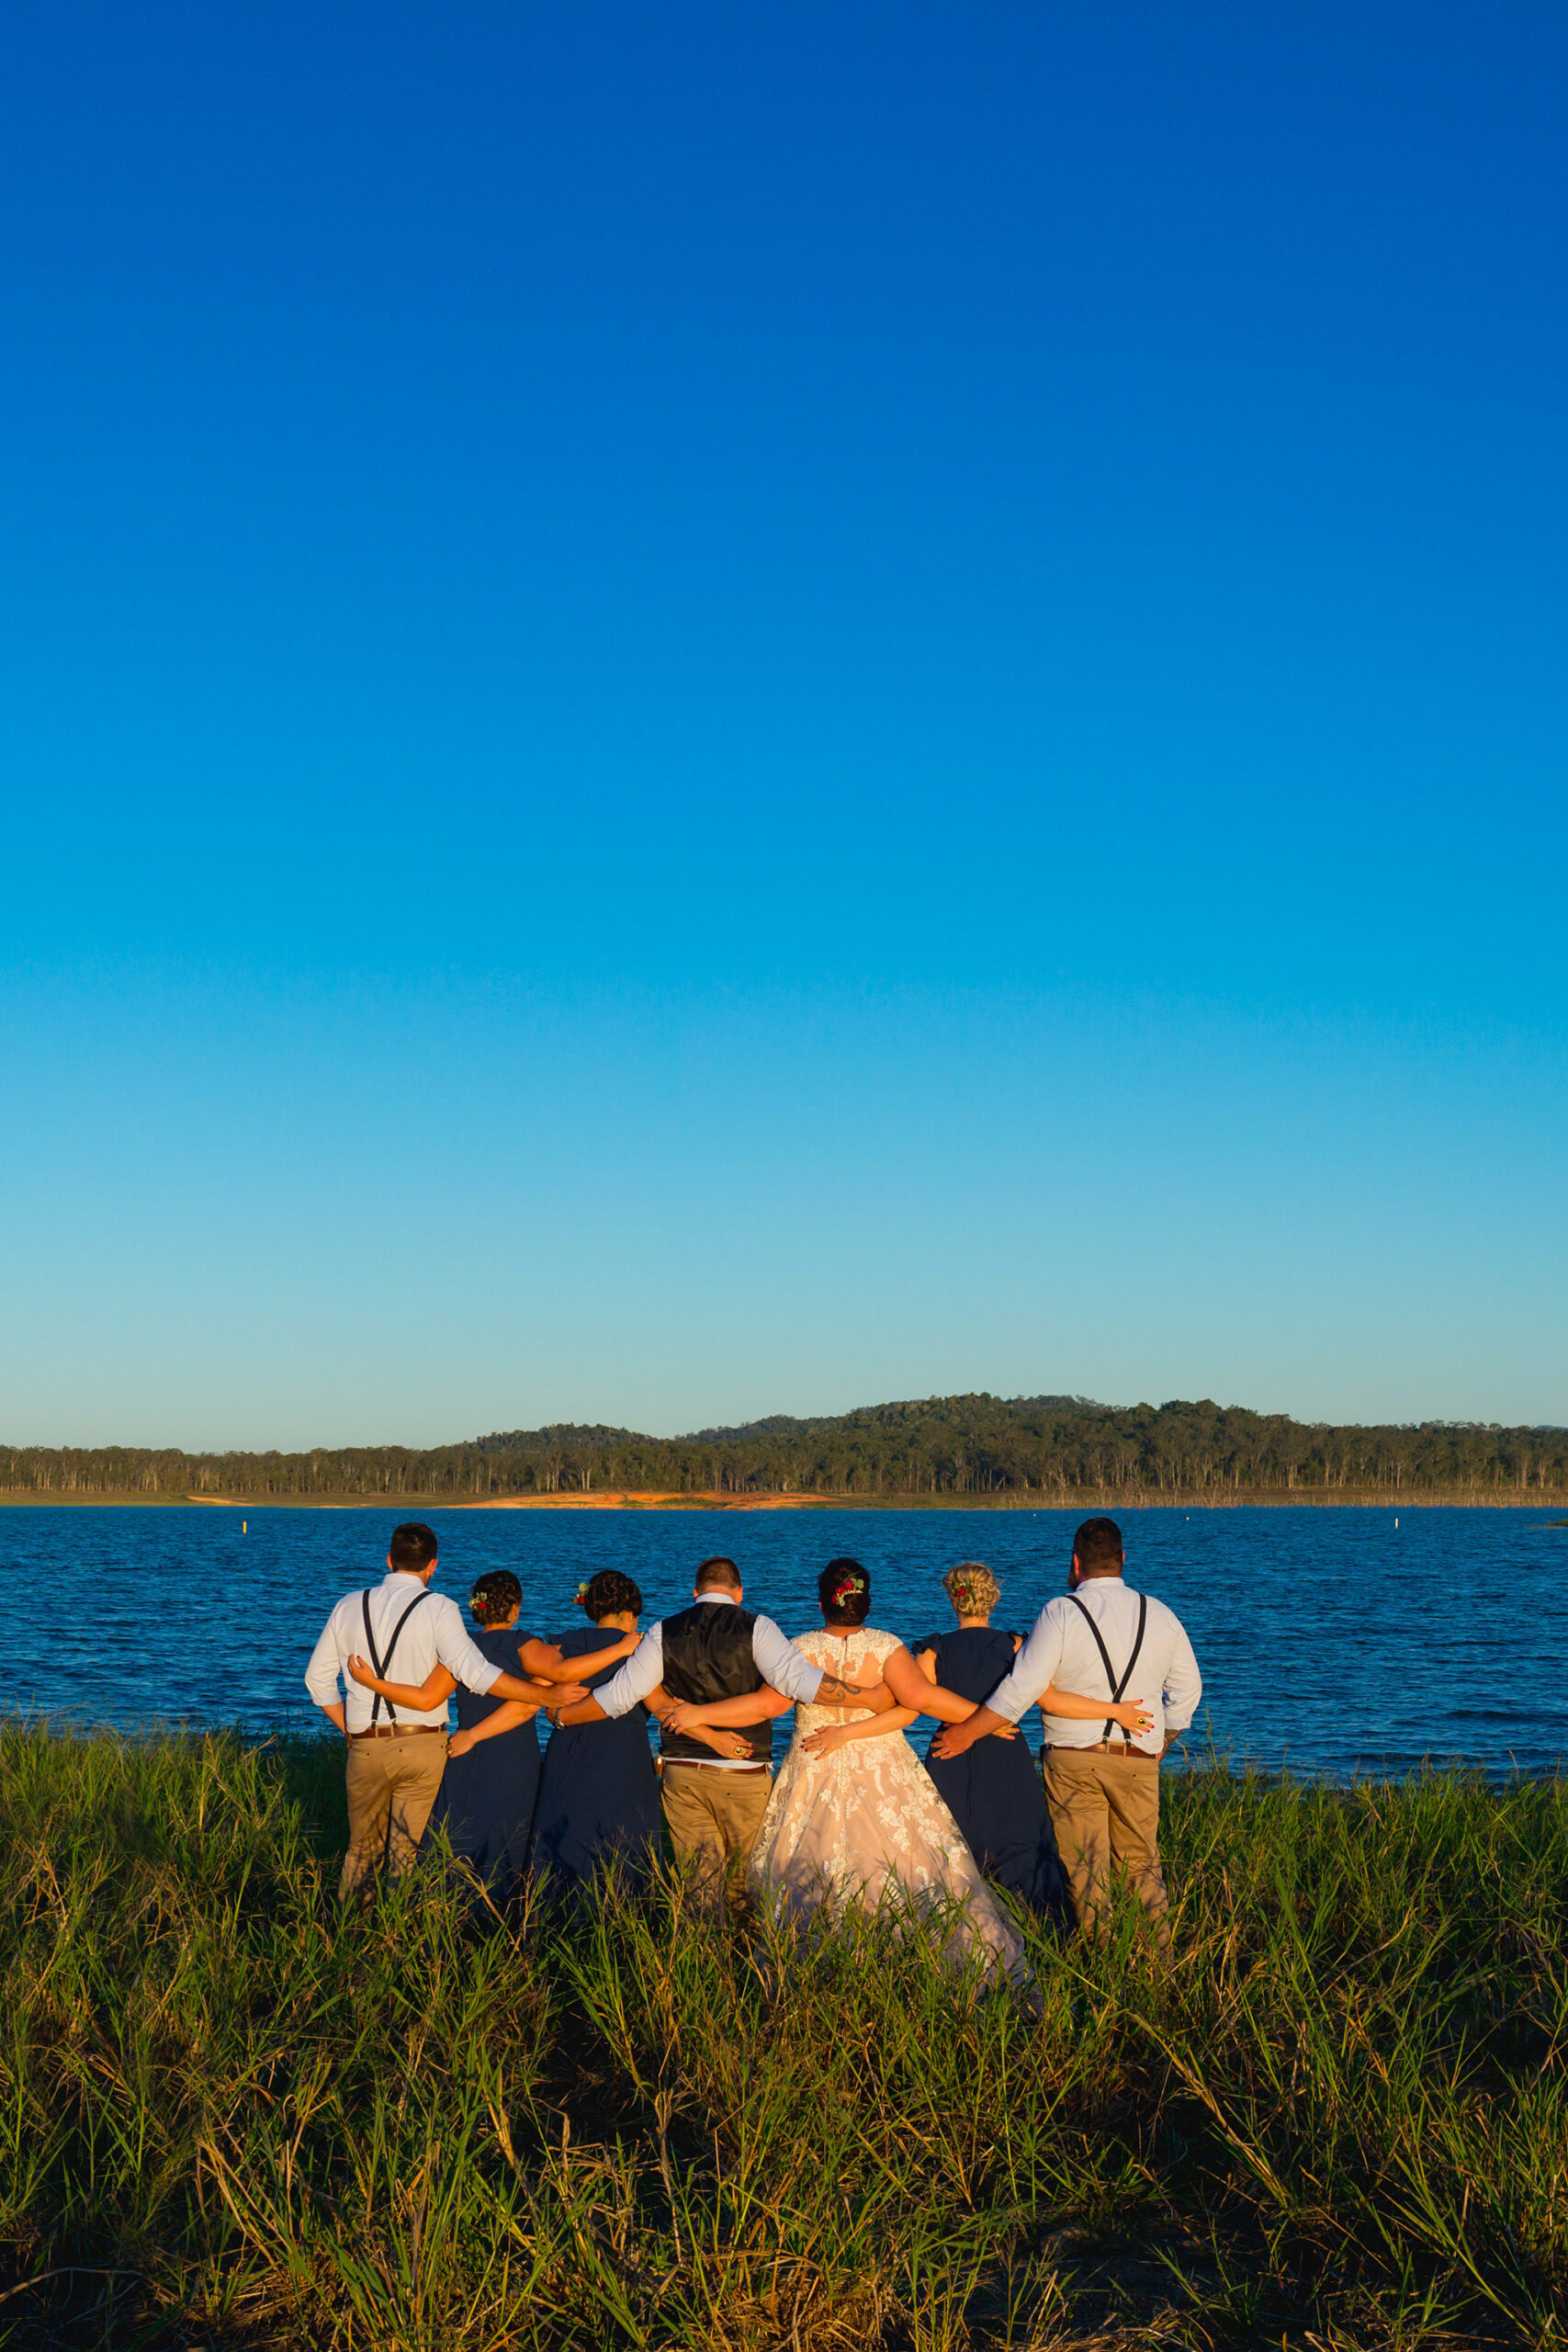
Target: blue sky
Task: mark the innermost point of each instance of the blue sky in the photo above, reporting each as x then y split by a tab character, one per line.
712	711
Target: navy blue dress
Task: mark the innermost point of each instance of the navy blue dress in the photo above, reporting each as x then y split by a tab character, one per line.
487	1797
599	1793
993	1790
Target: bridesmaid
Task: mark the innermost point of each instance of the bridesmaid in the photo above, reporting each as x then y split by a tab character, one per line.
993	1790
488	1792
599	1792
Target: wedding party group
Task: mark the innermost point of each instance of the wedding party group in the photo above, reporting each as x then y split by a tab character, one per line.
853	1815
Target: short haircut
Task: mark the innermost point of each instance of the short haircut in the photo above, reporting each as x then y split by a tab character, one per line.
1098	1545
495	1595
718	1574
844	1591
413	1547
972	1589
608	1594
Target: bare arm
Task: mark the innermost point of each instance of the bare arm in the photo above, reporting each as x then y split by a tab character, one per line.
581	1711
335	1714
832	1735
543	1661
1131	1714
506	1717
834	1690
910	1688
418	1696
711	1723
439	1684
687	1714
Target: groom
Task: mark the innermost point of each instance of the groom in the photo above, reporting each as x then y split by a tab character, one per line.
716	1649
1101	1787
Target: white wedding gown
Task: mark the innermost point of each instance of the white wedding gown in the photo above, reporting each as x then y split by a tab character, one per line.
865	1823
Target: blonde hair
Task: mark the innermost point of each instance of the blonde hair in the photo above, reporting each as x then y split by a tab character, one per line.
972	1589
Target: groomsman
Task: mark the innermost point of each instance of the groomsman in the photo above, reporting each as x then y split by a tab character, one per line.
396	1756
1102	1787
715	1650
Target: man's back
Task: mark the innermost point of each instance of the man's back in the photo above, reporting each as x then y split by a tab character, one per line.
432	1631
708	1655
1061	1649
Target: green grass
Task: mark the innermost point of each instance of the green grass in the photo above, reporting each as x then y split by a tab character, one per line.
1338	2119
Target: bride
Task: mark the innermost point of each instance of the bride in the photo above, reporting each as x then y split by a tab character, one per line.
853	1816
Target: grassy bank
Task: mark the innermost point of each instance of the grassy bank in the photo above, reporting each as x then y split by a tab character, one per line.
1338	2120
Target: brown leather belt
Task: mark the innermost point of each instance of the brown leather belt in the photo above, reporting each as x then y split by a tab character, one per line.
401	1731
1104	1747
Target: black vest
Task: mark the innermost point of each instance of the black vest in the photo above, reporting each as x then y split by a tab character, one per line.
708	1656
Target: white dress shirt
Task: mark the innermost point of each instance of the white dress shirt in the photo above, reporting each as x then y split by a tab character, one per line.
1062	1650
434	1635
774	1655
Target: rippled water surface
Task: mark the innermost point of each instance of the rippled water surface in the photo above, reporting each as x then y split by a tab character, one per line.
1336	1640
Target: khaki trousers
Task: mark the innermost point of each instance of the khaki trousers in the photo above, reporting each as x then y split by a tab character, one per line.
1105	1812
391	1787
713	1818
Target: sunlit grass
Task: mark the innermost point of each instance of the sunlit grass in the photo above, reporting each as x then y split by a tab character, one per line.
1338	2119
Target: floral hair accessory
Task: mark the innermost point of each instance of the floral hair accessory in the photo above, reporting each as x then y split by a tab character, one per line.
845	1588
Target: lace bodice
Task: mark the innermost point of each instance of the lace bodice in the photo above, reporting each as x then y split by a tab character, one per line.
841	1654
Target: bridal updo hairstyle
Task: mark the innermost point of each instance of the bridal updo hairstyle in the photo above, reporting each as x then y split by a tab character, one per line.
607	1594
972	1589
844	1591
495	1595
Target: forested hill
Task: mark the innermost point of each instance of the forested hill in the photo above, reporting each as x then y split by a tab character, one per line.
1048	1449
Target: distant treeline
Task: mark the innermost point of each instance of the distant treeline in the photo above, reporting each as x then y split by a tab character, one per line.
1048	1447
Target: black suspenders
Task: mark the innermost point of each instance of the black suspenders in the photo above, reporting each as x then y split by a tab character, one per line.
380	1664
1115	1686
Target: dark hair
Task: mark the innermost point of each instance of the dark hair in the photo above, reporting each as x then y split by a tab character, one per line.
844	1590
716	1574
495	1595
609	1594
1098	1546
413	1547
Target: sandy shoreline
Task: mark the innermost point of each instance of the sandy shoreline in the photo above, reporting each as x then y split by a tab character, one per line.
1548	1507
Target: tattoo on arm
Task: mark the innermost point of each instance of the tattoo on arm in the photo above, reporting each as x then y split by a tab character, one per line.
831	1692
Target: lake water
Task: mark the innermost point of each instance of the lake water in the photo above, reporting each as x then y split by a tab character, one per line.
1334	1641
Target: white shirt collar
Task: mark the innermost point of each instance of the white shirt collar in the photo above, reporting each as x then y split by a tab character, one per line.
729	1599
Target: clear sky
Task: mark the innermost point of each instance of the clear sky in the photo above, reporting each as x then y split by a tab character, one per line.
711	710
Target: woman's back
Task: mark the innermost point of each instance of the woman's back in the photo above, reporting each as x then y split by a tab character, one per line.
993	1790
599	1795
841	1653
501	1646
582	1641
971	1659
486	1804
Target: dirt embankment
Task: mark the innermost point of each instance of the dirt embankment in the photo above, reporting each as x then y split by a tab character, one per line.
623	1498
